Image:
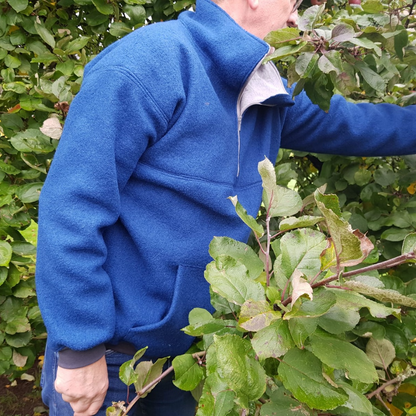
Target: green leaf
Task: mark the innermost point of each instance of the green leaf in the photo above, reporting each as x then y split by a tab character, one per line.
280	36
44	33
17	87
305	64
372	6
137	13
384	177
367	44
395	234
301	373
342	355
23	248
381	352
237	366
400	41
222	305
299	222
247	219
348	245
237	250
8	168
14	275
188	373
300	250
18	340
201	322
282	404
356	400
279	201
12	61
309	17
322	301
216	399
77	44
229	278
3	274
18	5
320	90
148	372
126	373
342	33
5	253
326	66
284	51
398	339
30	192
19	324
383	295
32	140
354	301
301	328
256	315
362	177
61	90
104	7
373	79
119	29
338	320
95	18
272	341
409	244
23	290
368	329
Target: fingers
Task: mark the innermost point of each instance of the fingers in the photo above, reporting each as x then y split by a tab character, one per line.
84	407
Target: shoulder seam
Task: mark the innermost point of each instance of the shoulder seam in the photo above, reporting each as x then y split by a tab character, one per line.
128	74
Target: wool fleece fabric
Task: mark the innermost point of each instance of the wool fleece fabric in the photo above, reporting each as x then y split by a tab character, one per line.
171	121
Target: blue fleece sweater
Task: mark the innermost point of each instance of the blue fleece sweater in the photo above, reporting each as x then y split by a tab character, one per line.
148	158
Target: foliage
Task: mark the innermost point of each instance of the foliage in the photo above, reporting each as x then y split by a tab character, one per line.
365	53
44	47
307	323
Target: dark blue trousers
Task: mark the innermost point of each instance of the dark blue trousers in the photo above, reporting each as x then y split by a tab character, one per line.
165	399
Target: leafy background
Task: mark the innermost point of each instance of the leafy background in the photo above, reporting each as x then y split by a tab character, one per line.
44	47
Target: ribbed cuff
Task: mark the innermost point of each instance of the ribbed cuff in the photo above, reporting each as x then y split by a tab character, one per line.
75	359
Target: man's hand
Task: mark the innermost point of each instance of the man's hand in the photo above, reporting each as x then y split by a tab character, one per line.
83	388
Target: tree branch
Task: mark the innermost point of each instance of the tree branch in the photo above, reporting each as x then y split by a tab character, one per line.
399	379
396	261
153	383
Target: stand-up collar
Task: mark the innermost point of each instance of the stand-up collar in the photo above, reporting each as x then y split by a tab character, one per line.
234	51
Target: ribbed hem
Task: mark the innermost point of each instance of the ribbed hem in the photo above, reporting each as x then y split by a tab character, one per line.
76	359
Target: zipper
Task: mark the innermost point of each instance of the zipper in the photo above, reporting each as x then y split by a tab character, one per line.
241	111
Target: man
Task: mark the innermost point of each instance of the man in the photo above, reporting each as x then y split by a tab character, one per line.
169	122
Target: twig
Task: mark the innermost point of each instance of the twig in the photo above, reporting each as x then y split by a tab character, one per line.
399	379
268	241
396	261
384	404
146	388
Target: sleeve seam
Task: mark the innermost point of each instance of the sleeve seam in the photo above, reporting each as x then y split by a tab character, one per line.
132	77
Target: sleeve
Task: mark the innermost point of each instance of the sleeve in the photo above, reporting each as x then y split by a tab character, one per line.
111	122
350	129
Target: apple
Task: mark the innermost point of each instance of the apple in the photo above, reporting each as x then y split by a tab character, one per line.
354	2
317	2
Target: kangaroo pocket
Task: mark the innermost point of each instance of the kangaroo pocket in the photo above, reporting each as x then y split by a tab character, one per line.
165	338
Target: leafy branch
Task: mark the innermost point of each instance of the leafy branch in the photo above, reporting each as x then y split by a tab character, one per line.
255	323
